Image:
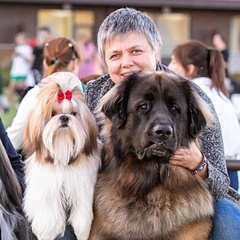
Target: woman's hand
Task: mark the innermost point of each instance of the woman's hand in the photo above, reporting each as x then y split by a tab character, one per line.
189	158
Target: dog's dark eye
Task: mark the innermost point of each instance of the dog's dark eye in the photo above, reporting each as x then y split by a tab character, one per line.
175	109
74	114
143	107
54	113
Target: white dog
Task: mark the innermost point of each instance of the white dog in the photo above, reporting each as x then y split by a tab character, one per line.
60	139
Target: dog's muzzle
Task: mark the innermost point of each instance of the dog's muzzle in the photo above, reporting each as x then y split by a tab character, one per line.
158	144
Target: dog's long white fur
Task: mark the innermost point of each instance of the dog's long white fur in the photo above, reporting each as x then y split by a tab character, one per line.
52	189
61	175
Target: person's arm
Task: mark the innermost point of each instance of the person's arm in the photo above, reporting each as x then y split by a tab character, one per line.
15	158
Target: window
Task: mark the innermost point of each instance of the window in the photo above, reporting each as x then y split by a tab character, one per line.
234	46
174	29
59	21
67	23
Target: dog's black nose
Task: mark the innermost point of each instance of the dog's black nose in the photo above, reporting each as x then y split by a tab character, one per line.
64	119
163	131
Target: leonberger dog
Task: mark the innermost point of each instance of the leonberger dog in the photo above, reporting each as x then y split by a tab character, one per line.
138	194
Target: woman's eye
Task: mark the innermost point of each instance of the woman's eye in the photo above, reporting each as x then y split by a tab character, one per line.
136	51
115	56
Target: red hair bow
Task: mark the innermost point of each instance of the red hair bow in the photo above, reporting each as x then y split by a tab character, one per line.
67	95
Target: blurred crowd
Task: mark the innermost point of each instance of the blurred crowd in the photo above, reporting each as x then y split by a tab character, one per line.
27	64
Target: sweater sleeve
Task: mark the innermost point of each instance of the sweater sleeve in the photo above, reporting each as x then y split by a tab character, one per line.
15	158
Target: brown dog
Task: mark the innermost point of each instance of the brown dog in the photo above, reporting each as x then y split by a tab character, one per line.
139	196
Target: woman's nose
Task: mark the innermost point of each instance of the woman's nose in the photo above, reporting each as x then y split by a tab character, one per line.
127	61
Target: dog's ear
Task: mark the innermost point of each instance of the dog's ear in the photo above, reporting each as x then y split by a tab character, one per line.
115	108
115	102
197	121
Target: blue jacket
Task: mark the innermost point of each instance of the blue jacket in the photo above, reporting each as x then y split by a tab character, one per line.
15	158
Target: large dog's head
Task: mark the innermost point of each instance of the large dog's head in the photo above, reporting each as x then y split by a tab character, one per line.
151	114
60	127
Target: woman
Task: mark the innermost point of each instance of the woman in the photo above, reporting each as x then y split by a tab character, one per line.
60	54
205	66
128	41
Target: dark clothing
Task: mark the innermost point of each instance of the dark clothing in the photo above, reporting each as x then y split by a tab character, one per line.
225	57
38	61
37	67
15	158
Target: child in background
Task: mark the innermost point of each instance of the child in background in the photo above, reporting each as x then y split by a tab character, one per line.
21	65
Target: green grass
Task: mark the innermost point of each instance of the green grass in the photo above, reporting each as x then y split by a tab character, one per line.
8	116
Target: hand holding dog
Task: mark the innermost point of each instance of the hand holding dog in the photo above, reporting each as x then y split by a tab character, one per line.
189	158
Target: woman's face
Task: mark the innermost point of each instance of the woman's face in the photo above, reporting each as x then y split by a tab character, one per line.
177	67
128	54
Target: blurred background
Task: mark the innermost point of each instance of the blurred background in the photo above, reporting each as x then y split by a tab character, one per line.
177	20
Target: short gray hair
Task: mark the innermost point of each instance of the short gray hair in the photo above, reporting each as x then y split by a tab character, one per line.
124	21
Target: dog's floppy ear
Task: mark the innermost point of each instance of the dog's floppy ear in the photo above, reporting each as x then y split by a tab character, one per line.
114	106
114	103
115	110
197	122
199	113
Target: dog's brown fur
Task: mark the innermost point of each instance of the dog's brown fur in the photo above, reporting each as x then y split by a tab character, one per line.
139	196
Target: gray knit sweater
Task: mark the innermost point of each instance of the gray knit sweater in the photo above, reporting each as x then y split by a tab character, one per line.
212	145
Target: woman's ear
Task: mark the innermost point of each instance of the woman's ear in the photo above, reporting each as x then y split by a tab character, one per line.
190	71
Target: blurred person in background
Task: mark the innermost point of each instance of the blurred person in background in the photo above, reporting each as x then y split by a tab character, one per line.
90	66
4	106
43	35
205	66
220	44
21	66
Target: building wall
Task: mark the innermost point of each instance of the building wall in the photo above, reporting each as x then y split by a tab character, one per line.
24	17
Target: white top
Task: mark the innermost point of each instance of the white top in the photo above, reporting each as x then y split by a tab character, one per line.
227	117
16	130
20	66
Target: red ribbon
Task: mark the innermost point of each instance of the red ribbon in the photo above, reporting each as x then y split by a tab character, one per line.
67	95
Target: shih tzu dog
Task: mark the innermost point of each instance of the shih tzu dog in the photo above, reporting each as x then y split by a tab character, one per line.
13	224
60	141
